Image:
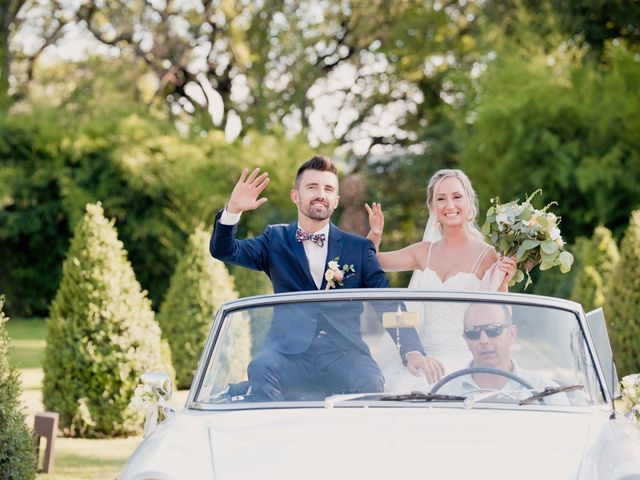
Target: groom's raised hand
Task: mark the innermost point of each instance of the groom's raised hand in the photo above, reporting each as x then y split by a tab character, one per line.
246	192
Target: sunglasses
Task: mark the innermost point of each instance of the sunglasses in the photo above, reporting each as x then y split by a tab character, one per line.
492	330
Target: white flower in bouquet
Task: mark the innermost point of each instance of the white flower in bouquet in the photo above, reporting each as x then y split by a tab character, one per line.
532	235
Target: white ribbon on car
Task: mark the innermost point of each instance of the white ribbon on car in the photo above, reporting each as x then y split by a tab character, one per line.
151	421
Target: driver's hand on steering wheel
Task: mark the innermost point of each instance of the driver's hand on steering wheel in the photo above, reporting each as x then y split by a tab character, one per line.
430	367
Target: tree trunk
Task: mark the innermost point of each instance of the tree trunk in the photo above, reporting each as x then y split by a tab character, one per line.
5	21
8	12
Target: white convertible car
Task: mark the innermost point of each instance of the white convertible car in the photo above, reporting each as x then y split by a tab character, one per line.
528	393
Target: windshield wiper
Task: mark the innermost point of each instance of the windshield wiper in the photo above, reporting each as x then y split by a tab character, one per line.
332	400
550	391
422	396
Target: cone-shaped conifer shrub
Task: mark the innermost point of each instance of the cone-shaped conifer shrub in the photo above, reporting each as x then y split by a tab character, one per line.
622	304
199	285
17	454
101	335
597	258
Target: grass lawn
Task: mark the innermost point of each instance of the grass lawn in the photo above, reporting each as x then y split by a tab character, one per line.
75	458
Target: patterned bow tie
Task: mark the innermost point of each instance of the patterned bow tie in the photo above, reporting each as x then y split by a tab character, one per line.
317	238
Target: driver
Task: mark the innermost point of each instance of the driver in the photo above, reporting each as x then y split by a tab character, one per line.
489	333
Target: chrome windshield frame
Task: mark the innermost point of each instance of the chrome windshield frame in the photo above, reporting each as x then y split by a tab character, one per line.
386	294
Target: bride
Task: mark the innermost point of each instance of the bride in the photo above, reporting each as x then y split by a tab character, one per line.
452	256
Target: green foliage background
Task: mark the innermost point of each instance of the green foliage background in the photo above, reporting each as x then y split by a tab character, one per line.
17	455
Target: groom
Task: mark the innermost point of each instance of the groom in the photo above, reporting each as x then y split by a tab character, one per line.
325	348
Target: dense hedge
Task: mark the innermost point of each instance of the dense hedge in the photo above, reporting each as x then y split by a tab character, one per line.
198	287
101	335
17	454
597	259
249	283
46	178
157	184
622	305
34	229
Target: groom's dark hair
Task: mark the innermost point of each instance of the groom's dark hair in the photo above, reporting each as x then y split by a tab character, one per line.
317	162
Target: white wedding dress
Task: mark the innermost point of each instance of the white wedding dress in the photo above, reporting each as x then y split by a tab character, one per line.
441	325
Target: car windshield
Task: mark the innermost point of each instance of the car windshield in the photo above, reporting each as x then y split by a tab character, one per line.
487	352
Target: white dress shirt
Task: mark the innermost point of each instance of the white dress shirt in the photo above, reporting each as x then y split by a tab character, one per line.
512	389
316	255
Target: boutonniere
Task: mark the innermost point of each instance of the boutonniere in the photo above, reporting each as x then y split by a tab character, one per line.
335	274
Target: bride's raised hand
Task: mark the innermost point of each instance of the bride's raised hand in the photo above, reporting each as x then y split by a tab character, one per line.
508	265
376	218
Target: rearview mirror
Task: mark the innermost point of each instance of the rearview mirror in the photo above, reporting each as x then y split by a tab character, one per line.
400	319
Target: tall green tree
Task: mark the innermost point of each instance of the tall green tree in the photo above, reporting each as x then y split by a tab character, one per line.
622	304
198	287
17	456
101	336
47	175
543	122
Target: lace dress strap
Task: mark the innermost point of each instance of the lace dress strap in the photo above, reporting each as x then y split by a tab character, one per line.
479	260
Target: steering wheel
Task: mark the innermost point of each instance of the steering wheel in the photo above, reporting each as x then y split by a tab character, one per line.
467	371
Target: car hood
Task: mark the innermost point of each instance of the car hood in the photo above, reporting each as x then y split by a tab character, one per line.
372	443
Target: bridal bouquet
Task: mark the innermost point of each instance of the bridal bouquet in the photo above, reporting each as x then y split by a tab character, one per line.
530	234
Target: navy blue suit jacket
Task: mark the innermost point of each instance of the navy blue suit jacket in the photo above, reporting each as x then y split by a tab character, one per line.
277	253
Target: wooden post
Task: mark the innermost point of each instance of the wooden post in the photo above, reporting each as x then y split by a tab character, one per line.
46	425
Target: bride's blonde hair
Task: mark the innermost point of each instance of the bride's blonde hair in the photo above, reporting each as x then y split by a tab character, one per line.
470	193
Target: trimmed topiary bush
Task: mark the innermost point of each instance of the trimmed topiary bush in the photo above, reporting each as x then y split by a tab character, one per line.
197	288
251	282
17	454
597	257
101	335
622	304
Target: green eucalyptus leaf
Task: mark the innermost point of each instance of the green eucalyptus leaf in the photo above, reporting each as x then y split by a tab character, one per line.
503	245
519	276
525	247
543	222
525	215
566	261
544	265
549	246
